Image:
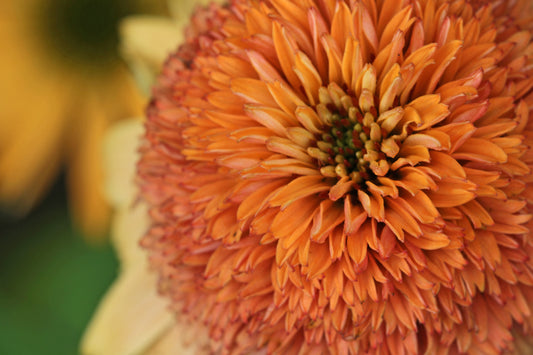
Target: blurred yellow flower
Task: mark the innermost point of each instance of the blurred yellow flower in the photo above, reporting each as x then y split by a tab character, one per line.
62	83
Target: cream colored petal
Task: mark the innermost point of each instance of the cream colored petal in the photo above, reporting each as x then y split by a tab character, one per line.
146	41
130	220
130	318
182	339
120	158
128	226
181	10
150	37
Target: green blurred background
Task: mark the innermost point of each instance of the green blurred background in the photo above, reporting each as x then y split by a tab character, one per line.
51	280
51	276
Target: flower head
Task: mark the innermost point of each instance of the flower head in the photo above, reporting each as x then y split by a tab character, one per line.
347	176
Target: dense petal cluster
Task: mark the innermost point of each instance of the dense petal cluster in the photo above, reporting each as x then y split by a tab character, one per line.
347	177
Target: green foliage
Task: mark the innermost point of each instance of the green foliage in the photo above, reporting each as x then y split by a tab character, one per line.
50	281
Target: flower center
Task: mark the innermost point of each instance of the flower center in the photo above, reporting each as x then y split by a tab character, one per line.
351	144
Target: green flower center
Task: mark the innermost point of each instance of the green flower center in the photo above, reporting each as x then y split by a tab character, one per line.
346	144
351	142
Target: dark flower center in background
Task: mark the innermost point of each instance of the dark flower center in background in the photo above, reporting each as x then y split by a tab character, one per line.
84	31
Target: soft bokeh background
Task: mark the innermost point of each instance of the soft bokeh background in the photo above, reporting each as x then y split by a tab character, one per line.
54	267
50	279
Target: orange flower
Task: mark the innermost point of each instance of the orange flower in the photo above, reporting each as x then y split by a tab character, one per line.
347	177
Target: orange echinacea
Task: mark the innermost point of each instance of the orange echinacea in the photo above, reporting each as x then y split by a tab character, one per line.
347	177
